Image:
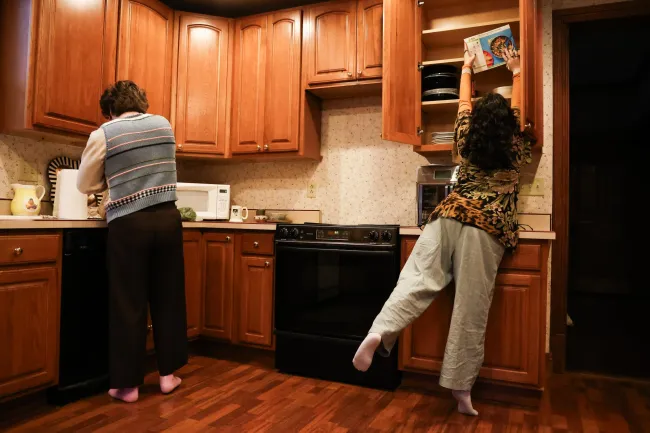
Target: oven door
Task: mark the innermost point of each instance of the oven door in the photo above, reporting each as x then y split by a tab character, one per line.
332	290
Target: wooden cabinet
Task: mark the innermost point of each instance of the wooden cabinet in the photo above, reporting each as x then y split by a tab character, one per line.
30	301
29	326
515	335
58	56
202	52
343	44
145	50
255	293
266	83
432	32
192	254
218	256
370	55
331	34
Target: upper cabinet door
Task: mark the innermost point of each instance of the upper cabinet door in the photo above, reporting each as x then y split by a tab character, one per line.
282	107
74	62
370	28
531	65
401	83
145	50
202	84
331	34
249	85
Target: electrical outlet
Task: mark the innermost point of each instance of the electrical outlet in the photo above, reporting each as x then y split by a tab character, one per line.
311	190
28	173
536	188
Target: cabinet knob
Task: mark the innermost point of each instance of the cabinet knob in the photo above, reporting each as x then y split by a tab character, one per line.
227	238
259	148
256	244
180	147
359	72
266	147
267	264
149	328
18	251
349	74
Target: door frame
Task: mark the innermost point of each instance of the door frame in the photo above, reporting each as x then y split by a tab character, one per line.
561	124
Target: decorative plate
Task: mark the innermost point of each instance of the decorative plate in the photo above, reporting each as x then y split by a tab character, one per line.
62	163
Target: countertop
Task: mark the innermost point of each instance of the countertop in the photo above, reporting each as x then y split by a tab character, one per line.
52	224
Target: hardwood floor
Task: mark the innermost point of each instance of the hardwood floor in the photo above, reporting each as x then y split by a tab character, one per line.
224	396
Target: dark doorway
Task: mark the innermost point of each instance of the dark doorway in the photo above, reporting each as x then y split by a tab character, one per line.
608	293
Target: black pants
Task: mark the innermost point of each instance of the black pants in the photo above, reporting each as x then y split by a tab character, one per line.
145	265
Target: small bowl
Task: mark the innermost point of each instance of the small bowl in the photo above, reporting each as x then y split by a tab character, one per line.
505	91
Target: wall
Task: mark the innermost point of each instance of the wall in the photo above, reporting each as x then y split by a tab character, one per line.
14	151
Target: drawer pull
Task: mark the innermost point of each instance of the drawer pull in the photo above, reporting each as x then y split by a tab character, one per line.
266	264
227	238
18	251
256	244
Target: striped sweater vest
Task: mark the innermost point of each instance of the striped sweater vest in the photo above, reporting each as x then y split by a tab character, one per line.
140	165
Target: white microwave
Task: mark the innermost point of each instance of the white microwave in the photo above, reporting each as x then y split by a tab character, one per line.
209	201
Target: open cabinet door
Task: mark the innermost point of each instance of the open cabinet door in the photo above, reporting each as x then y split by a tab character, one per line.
401	82
531	65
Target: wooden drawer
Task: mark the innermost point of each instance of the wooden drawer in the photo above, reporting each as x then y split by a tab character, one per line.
258	243
29	249
527	256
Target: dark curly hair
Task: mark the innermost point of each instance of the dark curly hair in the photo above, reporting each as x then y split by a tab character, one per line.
489	142
122	97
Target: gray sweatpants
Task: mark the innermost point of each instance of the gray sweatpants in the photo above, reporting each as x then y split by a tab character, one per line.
474	256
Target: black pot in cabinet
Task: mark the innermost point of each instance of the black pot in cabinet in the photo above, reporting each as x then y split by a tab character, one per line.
440	82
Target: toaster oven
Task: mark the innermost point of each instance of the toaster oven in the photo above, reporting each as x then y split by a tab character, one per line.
434	184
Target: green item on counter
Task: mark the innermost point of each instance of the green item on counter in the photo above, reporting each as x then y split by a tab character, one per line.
187	214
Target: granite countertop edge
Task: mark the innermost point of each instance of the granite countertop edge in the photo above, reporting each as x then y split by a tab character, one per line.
53	224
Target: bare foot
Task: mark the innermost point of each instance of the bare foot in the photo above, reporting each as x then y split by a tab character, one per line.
169	383
127	395
464	402
365	352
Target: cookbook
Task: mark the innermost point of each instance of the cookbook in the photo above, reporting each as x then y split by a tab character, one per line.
489	48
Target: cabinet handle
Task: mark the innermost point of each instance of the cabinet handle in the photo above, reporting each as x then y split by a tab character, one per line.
266	264
256	244
266	147
359	72
149	328
349	74
18	251
227	238
180	147
259	148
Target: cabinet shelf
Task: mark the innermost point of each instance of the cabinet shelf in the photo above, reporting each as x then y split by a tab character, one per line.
434	106
453	61
450	36
433	149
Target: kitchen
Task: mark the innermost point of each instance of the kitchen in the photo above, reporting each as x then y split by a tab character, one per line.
291	134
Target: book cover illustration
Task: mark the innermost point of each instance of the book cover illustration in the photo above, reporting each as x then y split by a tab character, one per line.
489	48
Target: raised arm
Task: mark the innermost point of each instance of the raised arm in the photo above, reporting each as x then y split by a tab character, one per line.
465	99
512	62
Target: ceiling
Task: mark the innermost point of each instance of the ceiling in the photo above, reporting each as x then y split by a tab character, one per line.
234	8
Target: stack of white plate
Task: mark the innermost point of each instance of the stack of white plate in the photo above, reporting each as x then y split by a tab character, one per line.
442	137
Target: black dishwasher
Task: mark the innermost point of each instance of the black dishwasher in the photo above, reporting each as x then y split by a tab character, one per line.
83	356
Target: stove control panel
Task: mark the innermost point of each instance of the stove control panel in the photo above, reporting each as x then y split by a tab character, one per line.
379	235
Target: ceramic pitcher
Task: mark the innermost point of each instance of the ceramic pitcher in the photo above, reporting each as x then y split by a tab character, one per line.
27	199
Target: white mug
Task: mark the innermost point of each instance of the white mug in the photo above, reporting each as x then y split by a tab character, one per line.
238	214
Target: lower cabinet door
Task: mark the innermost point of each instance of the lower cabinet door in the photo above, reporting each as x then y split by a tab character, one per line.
218	255
193	270
255	294
29	327
422	345
513	345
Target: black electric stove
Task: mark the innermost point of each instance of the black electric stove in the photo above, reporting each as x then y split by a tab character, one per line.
331	282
